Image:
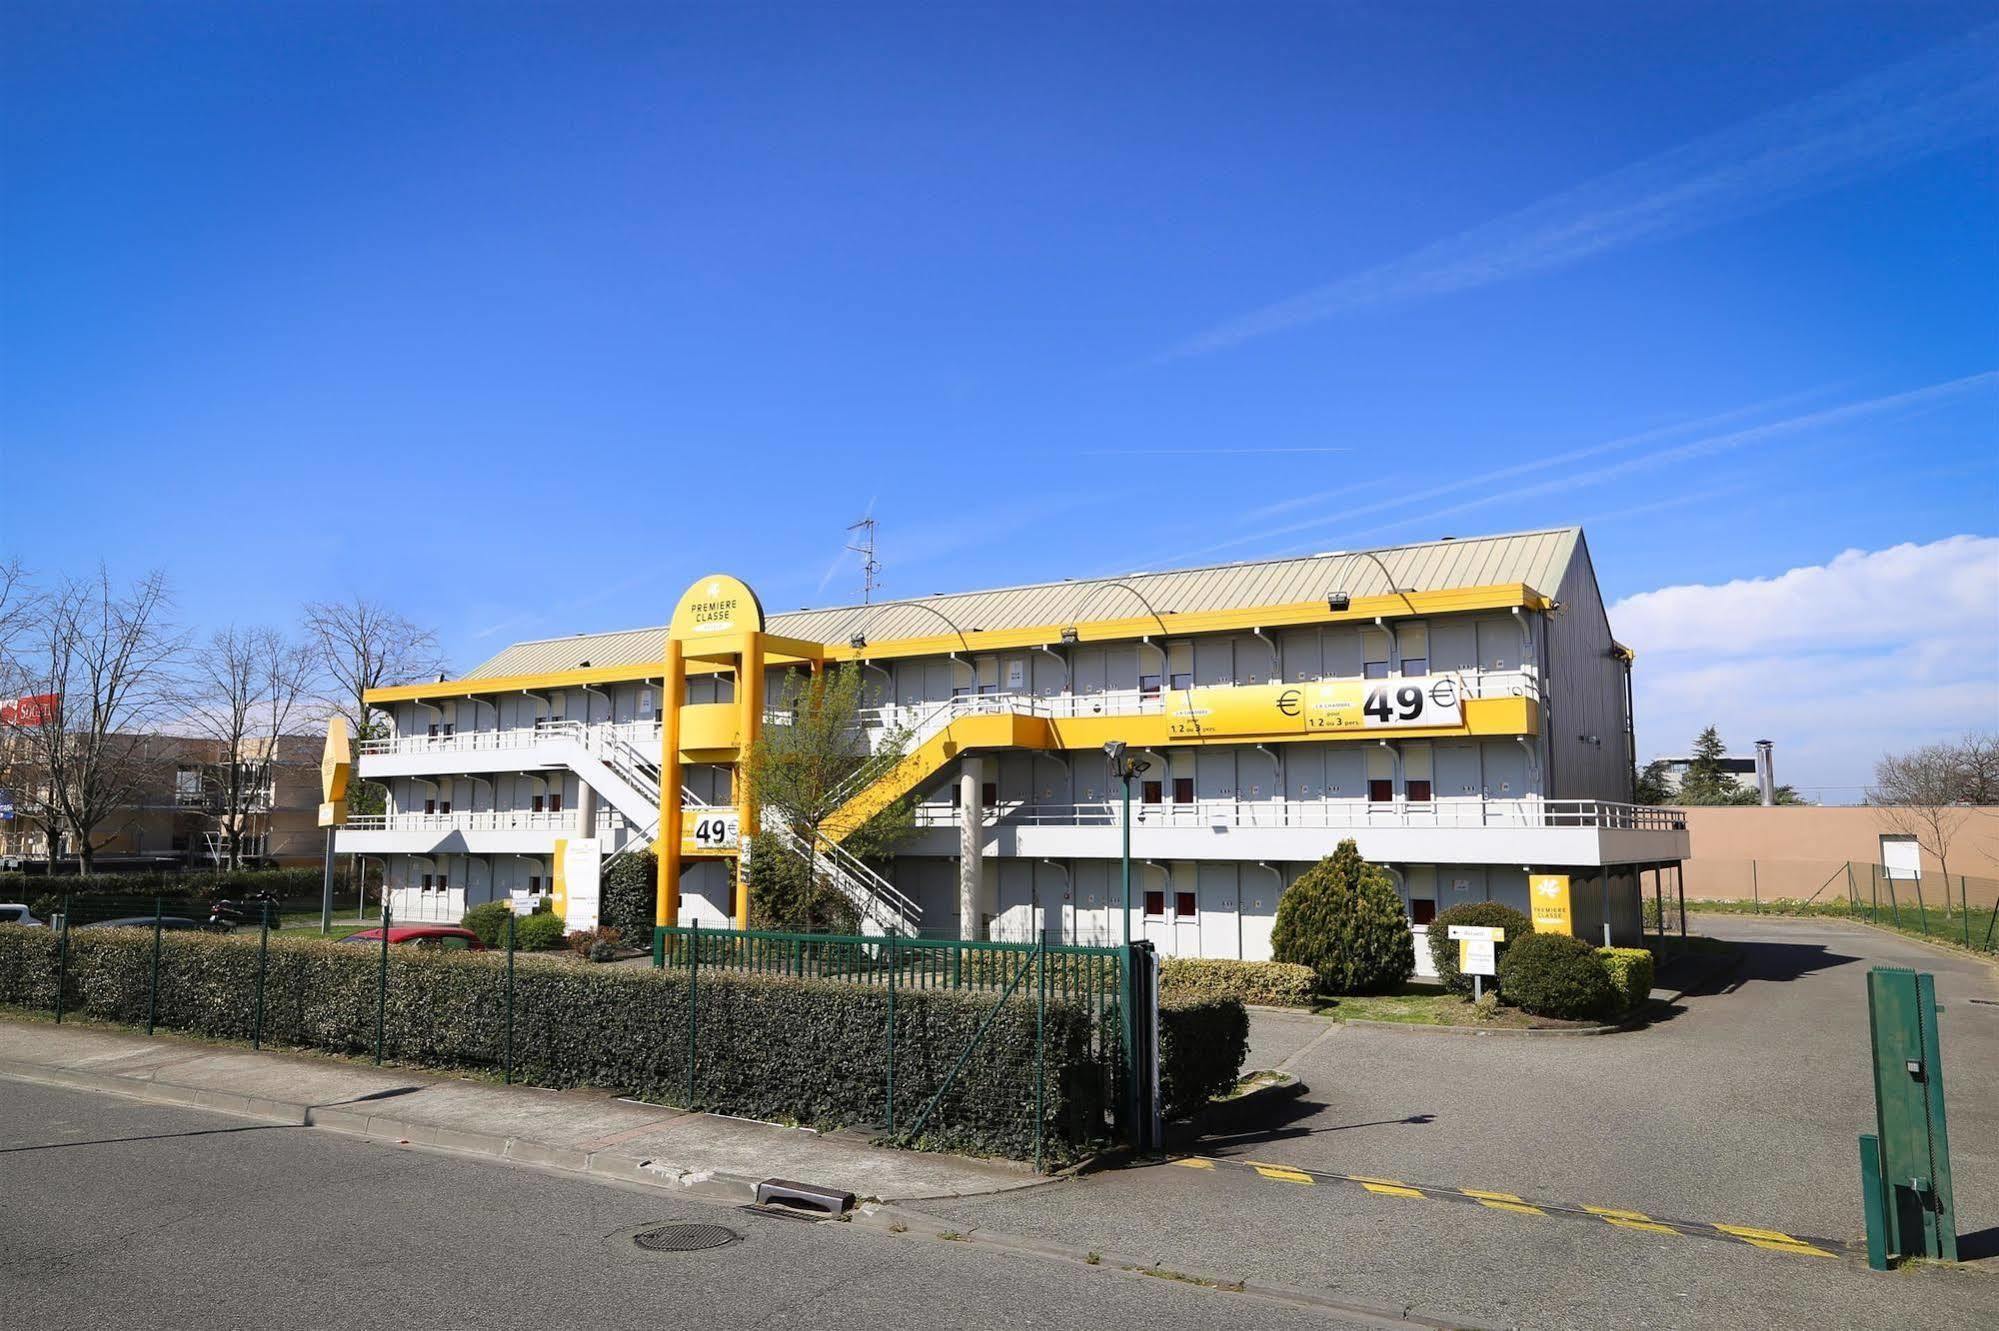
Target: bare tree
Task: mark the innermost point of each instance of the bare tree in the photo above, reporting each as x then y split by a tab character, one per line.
246	690
1978	765
363	646
1921	796
16	604
108	657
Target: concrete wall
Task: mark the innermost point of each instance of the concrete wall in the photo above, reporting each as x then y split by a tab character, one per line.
1798	851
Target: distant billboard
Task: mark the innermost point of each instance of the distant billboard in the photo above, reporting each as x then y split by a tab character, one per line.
33	710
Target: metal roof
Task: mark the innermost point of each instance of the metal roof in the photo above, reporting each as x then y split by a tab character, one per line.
1537	558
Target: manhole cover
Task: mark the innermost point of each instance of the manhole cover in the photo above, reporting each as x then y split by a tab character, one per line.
684	1238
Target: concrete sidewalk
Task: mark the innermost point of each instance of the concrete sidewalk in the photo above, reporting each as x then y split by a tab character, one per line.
582	1132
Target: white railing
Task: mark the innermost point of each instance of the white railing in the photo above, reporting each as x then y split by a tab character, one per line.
491	820
636	733
1327	814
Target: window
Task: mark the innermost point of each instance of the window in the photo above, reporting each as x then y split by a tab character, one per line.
1418	791
1413	644
452	943
426	882
1183	679
645	702
1153	792
534	884
1155	904
988	794
444	806
433	730
1183	790
1148	686
430	806
957	796
1183	905
450	728
539	803
1380	790
442	883
1373	654
555	801
1422	910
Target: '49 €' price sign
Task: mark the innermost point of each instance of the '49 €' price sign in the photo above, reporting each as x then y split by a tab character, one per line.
714	829
1373	704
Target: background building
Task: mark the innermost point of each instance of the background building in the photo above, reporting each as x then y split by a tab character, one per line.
1458	707
175	818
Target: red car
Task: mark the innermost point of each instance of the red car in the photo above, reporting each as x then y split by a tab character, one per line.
448	937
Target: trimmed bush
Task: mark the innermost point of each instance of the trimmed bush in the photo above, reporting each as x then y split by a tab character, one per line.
540	932
1630	971
1444	952
1202	1044
489	922
1273	983
1343	918
1554	975
628	895
806	1051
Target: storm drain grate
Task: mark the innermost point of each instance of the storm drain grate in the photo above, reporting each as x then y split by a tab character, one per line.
684	1238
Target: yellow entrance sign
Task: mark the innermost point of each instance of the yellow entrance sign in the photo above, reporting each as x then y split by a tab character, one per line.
716	604
336	766
1548	900
558	880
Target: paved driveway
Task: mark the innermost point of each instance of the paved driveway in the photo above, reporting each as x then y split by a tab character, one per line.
1742	1108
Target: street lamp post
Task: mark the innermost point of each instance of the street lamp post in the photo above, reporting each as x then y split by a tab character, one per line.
1122	769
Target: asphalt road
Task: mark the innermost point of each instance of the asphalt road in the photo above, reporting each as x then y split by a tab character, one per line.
115	1213
1742	1108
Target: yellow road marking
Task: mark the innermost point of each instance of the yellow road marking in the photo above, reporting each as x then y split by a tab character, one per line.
1502	1201
1387	1187
1648	1226
1611	1211
1283	1175
1774	1240
1194	1162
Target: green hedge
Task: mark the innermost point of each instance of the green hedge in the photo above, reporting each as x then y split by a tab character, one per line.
287	884
1630	971
1273	983
542	931
1202	1044
489	921
1444	952
1554	975
780	1049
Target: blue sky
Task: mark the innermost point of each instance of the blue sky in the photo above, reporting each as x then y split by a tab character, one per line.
522	317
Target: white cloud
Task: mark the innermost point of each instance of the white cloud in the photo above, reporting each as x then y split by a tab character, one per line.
1937	100
1872	652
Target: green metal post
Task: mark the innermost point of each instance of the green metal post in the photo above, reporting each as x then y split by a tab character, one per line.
1040	1050
1894	906
382	984
263	964
1755	890
507	1075
1874	1201
1124	979
1964	900
62	959
1920	905
153	991
891	1031
1852	892
693	1003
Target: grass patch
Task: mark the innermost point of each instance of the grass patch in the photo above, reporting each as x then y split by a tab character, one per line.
1421	1005
1975	927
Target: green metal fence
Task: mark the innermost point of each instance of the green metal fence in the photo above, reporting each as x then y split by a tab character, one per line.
1953	908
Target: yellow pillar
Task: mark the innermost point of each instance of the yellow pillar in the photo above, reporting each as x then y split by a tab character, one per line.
673	689
750	698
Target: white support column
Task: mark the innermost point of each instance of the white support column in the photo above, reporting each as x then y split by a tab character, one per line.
971	835
586	810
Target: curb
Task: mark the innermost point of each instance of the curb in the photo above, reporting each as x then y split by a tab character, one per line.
351	1122
1415	1028
916	1225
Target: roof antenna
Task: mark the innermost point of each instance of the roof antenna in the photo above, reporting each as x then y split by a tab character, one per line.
864	546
